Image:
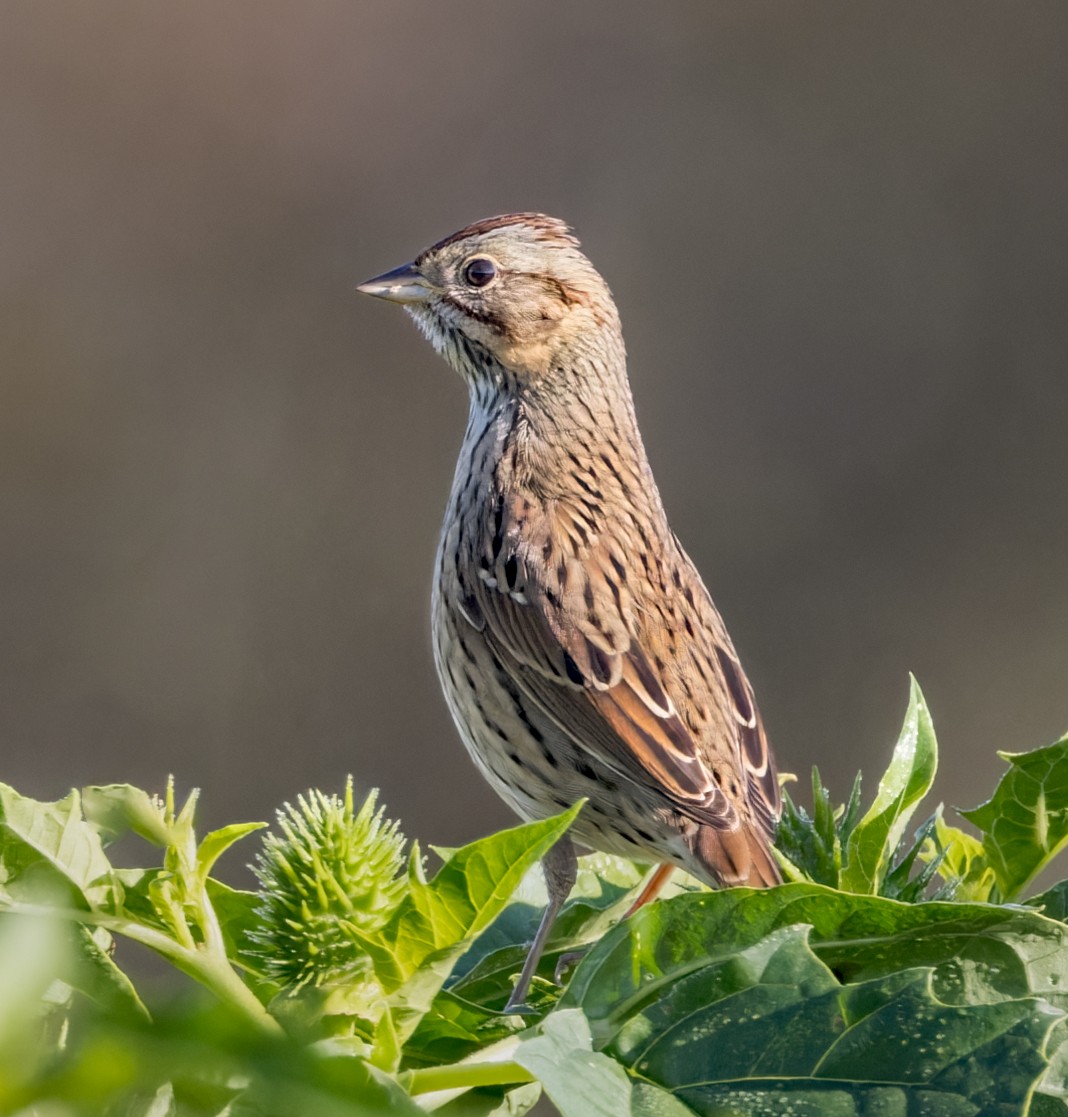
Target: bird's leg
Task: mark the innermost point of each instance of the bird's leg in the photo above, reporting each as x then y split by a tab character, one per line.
560	866
652	888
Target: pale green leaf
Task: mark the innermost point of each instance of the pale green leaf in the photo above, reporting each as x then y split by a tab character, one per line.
215	844
436	921
871	845
42	841
580	1081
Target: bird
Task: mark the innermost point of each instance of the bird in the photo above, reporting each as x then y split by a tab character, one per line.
579	652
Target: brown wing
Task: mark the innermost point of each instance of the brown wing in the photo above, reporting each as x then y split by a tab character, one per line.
560	603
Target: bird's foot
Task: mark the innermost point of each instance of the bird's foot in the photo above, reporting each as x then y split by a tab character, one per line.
565	962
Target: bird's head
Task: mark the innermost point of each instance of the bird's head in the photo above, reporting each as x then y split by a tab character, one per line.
516	288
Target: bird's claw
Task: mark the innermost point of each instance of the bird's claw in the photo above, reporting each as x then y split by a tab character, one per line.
565	962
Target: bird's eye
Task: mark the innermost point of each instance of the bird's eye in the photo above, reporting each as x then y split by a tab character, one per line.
479	271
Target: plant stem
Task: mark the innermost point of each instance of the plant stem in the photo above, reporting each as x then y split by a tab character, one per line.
466	1076
211	968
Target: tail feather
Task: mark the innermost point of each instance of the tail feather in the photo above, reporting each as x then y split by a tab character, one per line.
733	857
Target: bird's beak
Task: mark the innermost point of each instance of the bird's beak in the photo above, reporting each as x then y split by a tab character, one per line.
405	284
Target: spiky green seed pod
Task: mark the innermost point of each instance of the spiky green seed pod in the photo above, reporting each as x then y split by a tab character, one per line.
327	878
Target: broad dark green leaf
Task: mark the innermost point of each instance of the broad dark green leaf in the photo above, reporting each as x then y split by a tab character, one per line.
1045	1106
1052	1097
1025	821
1053	902
873	841
978	952
769	1027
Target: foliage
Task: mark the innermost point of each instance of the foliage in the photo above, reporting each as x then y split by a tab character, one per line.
889	974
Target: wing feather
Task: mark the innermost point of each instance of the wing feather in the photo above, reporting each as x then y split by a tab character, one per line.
558	611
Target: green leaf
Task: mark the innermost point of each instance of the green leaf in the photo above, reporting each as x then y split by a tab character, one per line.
32	954
1053	902
437	920
807	841
1025	822
42	844
871	845
93	972
215	844
1052	1096
216	1064
236	912
493	1102
963	862
580	1081
648	1100
386	1046
118	807
812	846
768	1027
604	889
977	952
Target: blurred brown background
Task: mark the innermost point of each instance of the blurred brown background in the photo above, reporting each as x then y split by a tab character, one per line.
837	234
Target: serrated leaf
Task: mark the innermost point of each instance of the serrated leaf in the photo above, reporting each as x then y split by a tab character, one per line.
1025	821
978	953
768	1027
55	838
963	865
810	843
871	845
